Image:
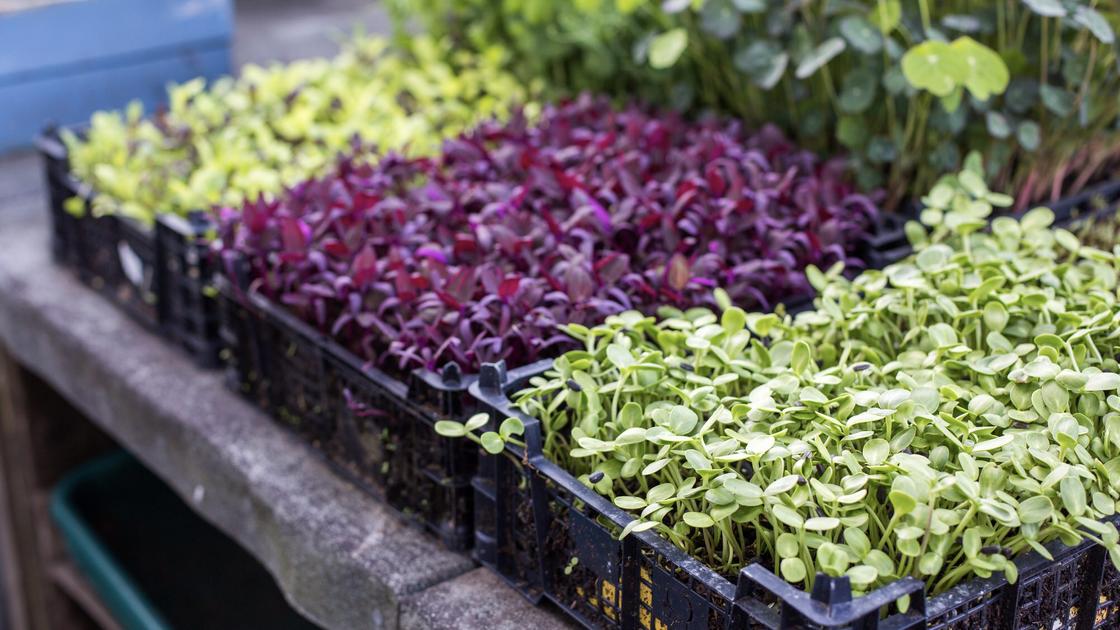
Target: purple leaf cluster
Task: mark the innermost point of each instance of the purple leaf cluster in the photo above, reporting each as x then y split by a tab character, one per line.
479	253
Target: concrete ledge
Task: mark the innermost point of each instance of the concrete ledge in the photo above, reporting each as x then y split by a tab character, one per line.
479	599
342	559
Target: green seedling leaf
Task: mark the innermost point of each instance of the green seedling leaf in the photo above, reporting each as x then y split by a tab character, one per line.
1033	510
476	421
698	519
493	443
449	428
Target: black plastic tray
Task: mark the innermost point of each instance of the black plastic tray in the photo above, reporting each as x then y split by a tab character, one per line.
159	275
373	429
1100	198
533	518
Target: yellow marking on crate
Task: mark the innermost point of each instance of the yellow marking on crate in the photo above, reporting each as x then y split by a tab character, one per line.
646	594
645	574
579	591
659	625
644	617
609	591
610	613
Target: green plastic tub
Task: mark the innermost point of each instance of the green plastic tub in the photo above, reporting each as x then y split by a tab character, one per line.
155	564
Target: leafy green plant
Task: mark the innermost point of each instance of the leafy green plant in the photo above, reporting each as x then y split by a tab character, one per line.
933	419
907	87
222	144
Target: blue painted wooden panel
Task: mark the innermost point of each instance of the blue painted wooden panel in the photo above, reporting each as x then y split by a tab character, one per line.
72	36
25	108
62	62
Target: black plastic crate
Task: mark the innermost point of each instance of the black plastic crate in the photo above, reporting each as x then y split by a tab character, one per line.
188	308
1100	198
887	243
373	429
533	518
114	255
60	188
159	276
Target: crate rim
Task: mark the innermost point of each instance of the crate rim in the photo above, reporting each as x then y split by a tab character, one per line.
402	388
493	390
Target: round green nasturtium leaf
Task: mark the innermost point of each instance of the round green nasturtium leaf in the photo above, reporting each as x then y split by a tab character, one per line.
764	61
1021	95
1057	100
1029	135
886	15
934	66
719	19
894	81
998	125
825	52
858	91
698	519
962	23
793	569
665	49
985	71
945	156
1046	8
1092	19
882	150
861	34
851	131
750	6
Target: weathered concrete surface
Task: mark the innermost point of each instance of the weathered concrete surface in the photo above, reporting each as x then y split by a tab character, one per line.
478	599
342	559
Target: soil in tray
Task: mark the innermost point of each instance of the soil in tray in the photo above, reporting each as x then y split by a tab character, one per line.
191	572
